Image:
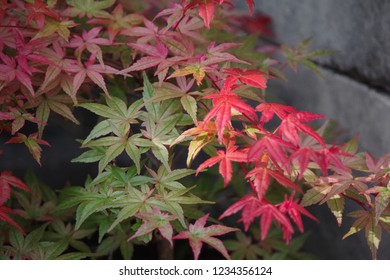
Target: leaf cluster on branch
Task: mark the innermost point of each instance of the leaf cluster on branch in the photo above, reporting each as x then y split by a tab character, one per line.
167	77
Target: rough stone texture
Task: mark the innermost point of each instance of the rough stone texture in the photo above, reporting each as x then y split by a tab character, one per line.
354	91
356	29
354	106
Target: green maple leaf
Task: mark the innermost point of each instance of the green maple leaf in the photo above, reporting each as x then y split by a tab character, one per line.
53	26
373	231
89	8
168	179
119	118
243	248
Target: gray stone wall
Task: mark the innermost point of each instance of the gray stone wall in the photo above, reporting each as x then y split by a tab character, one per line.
354	91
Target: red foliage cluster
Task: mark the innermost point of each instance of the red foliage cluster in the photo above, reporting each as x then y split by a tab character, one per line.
47	55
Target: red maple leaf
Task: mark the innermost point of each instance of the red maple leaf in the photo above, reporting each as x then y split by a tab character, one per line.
4	216
252	78
253	207
268	110
303	155
330	156
294	122
273	145
223	103
224	159
294	210
6	181
206	9
261	175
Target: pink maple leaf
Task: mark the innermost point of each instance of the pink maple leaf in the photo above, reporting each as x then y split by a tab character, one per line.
90	41
90	70
197	233
155	220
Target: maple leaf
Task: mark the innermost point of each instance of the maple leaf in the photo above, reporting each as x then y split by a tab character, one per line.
382	199
269	109
189	27
18	118
169	180
53	26
172	15
378	167
293	123
38	11
89	41
10	71
304	155
299	55
32	142
155	220
198	233
203	134
261	175
332	156
116	21
253	207
206	9
155	56
252	78
4	216
373	232
273	145
194	69
89	8
223	103
146	34
6	181
90	70
216	54
294	210
224	159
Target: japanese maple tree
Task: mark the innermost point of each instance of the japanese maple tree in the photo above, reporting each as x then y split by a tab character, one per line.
167	78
